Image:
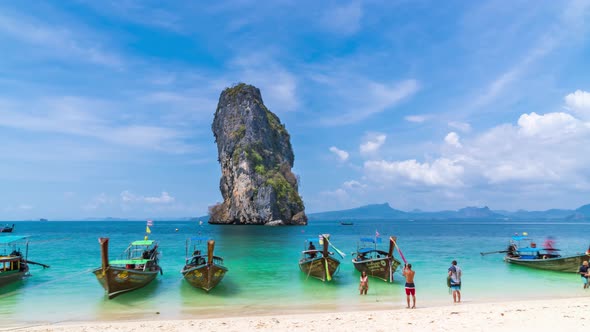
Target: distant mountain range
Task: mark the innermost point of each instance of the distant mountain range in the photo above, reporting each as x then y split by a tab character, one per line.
384	211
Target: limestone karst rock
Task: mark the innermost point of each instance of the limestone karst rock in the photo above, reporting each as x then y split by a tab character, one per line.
256	158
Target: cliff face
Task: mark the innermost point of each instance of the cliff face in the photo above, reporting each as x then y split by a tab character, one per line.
256	158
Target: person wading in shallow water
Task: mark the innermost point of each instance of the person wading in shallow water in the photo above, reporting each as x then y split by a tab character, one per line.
583	271
410	287
364	285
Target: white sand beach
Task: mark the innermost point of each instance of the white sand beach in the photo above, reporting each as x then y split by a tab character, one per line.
538	315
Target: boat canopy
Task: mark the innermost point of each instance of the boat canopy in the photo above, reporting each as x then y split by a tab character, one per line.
371	239
128	261
365	250
199	238
6	239
527	249
519	238
142	243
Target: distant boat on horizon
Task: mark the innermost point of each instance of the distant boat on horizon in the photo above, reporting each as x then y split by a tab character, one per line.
346	223
42	219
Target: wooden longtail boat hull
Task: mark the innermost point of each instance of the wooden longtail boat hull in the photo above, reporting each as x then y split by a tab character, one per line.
6	229
8	277
205	277
382	268
560	264
316	267
119	280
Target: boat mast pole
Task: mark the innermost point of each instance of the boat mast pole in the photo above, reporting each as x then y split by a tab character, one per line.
104	253
391	245
325	243
210	248
390	256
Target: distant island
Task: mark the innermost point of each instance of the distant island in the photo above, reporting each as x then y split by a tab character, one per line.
385	211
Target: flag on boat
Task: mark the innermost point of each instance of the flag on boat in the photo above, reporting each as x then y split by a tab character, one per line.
377	233
147	230
150	223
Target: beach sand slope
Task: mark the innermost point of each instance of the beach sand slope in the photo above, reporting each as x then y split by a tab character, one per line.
537	315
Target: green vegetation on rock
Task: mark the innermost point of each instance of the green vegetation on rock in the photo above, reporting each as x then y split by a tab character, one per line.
283	188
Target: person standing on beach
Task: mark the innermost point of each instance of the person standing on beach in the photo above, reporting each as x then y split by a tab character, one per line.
364	285
583	271
410	287
455	273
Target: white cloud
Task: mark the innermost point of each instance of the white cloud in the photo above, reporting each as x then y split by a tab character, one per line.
453	139
353	184
342	155
442	172
339	195
129	197
550	125
97	202
547	149
58	41
164	198
373	143
378	97
277	85
461	126
78	116
416	118
569	26
579	102
345	20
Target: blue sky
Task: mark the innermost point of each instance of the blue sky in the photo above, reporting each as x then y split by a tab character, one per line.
106	107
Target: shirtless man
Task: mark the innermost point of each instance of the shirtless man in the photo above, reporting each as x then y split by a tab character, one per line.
410	288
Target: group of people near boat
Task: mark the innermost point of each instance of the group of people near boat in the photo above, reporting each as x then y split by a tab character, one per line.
453	281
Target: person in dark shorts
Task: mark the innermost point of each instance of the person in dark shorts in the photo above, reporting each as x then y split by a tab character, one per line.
455	273
583	271
408	273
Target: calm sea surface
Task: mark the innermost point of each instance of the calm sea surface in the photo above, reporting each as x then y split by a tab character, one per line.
264	276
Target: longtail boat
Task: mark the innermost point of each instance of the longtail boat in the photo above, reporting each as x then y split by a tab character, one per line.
376	263
202	270
524	251
13	263
319	264
6	228
137	267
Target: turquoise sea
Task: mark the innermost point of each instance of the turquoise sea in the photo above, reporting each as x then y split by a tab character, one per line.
264	276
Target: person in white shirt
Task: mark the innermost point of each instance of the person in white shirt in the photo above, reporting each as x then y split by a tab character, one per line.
455	274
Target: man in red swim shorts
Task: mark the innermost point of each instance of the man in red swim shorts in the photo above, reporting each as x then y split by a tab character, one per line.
410	287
